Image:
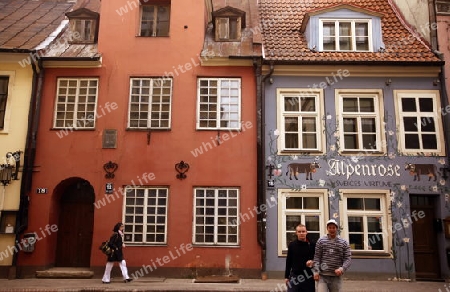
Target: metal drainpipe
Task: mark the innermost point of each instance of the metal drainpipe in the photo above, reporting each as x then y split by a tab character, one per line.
28	157
261	186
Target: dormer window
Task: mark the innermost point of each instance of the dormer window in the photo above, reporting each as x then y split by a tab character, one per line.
83	25
345	35
343	28
228	23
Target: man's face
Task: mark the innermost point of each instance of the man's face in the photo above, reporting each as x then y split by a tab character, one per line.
332	229
301	233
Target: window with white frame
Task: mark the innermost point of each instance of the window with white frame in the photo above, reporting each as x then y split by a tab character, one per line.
359	121
365	225
150	103
4	81
145	215
300	113
419	119
345	35
306	207
216	216
219	103
155	19
76	102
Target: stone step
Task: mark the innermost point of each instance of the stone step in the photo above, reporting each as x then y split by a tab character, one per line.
65	273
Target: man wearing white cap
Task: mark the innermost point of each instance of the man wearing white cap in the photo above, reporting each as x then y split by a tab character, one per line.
332	258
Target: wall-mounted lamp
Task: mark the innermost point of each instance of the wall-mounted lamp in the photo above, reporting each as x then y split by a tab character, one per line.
436	82
10	171
110	167
388	82
181	167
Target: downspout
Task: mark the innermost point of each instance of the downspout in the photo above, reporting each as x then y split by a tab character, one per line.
29	155
261	186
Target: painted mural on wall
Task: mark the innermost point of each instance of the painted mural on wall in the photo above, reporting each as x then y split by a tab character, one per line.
401	174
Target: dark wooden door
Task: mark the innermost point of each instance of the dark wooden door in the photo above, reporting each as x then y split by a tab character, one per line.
426	258
75	227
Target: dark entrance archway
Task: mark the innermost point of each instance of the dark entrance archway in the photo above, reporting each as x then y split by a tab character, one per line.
75	224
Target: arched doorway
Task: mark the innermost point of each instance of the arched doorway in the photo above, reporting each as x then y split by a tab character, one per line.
75	224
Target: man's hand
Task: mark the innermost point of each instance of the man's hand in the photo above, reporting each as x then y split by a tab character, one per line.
287	281
338	272
316	277
310	264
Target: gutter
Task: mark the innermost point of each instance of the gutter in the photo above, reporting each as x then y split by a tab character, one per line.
29	156
261	167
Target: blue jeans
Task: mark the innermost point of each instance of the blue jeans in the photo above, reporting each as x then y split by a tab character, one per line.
329	284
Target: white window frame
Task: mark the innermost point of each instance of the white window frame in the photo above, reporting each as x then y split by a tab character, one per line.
386	223
353	36
322	212
298	94
436	115
234	113
162	194
155	19
8	110
378	115
232	218
154	101
63	100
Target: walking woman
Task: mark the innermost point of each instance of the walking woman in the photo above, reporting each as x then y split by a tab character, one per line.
116	243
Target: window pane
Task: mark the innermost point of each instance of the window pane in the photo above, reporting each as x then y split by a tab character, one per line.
308	104
429	141
372	204
350	125
412	141
376	241
3	96
309	124
350	104
291	104
294	203
309	141
427	124
355	203
373	224
426	104
350	141
356	241
345	29
291	124
368	125
311	203
367	105
355	224
329	42
410	124
409	105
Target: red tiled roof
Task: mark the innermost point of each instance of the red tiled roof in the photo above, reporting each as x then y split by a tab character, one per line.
281	21
24	24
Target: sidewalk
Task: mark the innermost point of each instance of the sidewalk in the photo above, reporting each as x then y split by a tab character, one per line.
182	285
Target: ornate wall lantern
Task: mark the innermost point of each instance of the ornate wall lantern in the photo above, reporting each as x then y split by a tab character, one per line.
181	168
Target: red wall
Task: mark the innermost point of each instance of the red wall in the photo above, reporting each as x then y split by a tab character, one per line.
80	154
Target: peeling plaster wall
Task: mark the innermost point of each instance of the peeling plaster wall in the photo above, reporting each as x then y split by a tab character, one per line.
416	13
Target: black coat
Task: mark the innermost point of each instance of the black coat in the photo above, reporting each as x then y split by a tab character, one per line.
115	242
299	252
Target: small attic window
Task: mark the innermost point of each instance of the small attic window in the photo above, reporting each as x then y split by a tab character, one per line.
228	23
83	24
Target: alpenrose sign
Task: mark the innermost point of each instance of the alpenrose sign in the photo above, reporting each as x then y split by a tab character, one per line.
339	167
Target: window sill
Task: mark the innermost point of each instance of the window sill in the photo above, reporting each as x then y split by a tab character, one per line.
148	129
300	152
215	246
362	153
370	255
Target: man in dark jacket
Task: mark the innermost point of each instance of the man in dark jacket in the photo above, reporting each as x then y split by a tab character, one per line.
298	273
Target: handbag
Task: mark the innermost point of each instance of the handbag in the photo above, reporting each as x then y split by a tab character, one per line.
106	248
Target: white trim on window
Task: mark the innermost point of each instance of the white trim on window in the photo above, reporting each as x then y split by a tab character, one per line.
216	216
150	103
355	40
8	110
218	95
378	240
418	116
309	207
145	212
76	103
300	124
360	115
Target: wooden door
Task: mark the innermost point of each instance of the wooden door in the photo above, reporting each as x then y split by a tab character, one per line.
75	227
426	258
